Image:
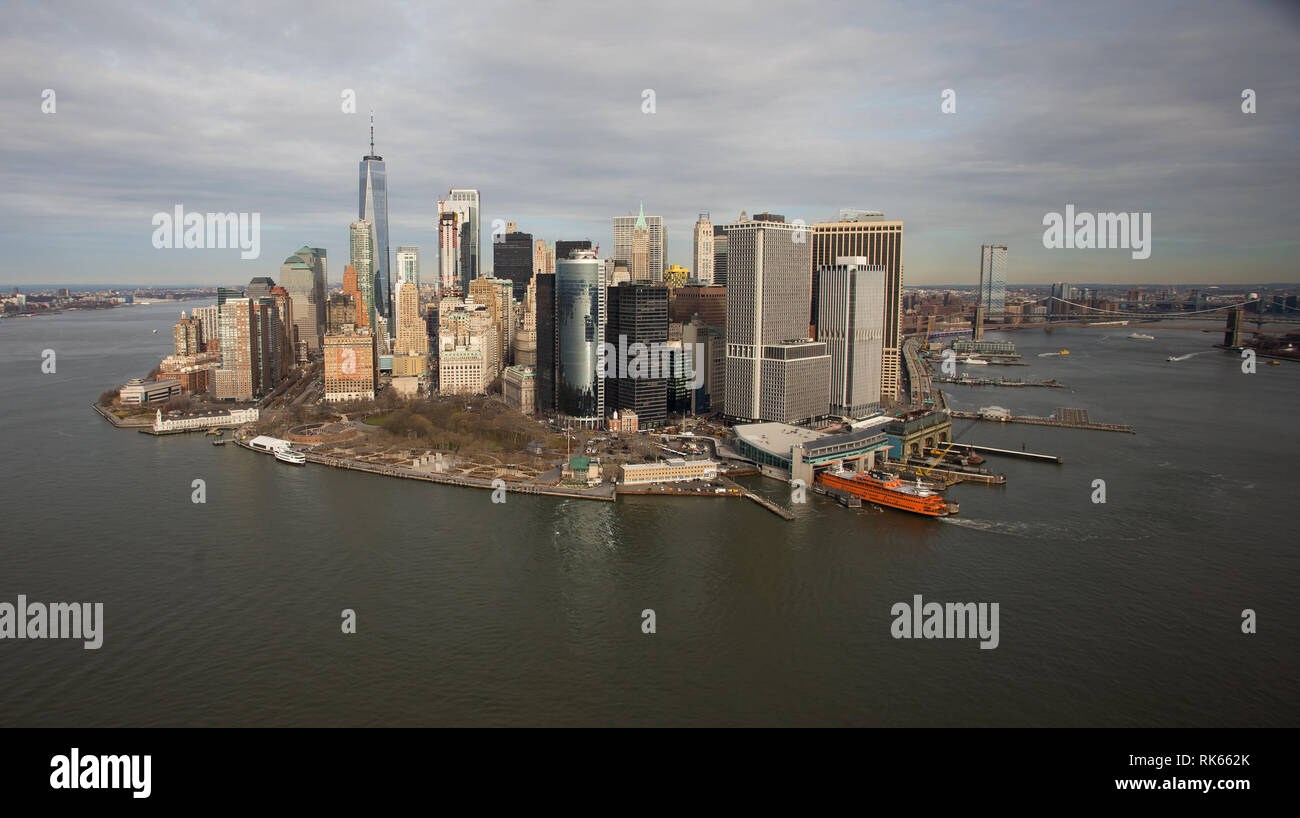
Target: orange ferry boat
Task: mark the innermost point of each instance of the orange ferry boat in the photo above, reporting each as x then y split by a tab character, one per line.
888	490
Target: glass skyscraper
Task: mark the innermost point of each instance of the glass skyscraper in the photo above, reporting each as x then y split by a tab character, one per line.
579	333
373	207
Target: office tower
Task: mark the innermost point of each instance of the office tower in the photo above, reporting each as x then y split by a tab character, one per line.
448	247
373	207
563	249
187	336
851	322
773	370
352	291
207	316
656	244
702	256
543	257
579	331
233	379
866	234
259	287
495	294
719	255
287	339
547	346
466	340
676	276
637	313
639	263
512	260
526	339
993	280
710	396
408	265
361	252
709	302
1060	290
303	274
465	203
351	365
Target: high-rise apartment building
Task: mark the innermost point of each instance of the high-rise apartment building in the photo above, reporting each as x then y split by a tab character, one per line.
187	336
412	338
656	244
579	331
408	265
304	275
637	313
512	260
496	295
448	247
207	316
851	322
373	207
866	234
233	379
702	255
774	372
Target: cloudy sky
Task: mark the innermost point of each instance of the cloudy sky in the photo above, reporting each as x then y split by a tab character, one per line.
798	109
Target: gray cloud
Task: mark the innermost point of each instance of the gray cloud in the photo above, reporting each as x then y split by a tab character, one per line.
798	109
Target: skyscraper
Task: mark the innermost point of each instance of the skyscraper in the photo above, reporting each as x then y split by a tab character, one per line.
703	250
466	202
851	322
564	248
993	279
303	274
543	257
362	255
448	247
719	255
639	265
233	378
637	313
512	260
866	234
580	331
373	208
656	243
408	265
547	347
526	339
773	371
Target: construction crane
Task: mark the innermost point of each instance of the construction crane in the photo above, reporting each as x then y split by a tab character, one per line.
939	460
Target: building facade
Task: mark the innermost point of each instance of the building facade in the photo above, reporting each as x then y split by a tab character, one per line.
851	322
637	314
351	366
580	294
702	250
655	244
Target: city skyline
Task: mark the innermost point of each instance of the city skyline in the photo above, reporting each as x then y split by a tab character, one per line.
1072	113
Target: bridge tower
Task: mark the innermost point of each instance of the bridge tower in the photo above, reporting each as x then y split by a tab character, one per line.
1232	330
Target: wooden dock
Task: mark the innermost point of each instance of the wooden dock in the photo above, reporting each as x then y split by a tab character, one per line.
770	506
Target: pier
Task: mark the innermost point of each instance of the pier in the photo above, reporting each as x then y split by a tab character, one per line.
770	506
1052	421
968	381
1047	458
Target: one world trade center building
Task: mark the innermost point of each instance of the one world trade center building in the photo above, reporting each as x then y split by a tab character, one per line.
374	207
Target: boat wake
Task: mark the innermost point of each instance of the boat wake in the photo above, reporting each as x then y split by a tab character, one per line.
1038	530
1185	357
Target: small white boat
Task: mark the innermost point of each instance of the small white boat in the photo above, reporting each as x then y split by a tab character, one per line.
976	362
1139	336
291	456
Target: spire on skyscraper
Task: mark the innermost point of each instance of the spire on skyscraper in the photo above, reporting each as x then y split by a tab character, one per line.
640	219
372	131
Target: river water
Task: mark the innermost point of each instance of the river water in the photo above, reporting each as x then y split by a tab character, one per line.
530	612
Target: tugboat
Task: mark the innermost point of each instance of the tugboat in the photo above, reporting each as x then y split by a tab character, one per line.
885	489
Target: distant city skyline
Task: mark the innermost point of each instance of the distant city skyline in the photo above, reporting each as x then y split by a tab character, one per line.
1074	111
